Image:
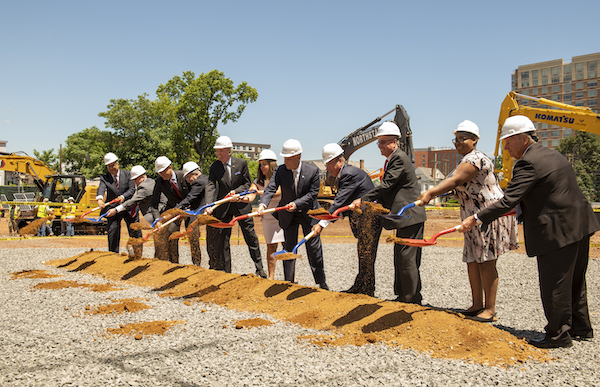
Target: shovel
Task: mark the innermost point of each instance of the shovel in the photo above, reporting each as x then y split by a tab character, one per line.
421	242
333	216
219	202
284	255
245	216
139	241
80	218
406	207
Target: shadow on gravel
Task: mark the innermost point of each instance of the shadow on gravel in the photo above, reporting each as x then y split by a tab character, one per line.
173	269
207	290
522	333
67	264
356	314
388	321
83	266
300	293
276	289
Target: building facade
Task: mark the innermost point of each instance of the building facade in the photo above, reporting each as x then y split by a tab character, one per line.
249	150
443	159
574	83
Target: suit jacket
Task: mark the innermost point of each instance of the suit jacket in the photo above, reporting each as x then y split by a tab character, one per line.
108	185
217	187
352	183
398	188
305	199
554	211
195	197
142	196
164	187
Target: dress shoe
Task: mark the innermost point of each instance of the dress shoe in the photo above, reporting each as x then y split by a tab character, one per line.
545	344
582	336
324	286
485	319
261	273
352	290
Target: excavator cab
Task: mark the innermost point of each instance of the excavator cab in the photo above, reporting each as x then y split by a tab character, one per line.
60	187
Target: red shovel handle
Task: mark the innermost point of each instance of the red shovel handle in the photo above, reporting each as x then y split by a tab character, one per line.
341	209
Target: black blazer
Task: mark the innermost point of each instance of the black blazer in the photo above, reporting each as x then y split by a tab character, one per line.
217	187
195	197
164	187
554	211
398	188
305	200
108	185
352	183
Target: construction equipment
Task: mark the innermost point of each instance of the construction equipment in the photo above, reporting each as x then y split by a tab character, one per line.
362	137
55	187
574	117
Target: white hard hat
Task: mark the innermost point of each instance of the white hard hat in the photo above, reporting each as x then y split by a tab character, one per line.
65	200
137	171
46	200
267	154
516	125
331	151
161	163
223	142
467	126
189	167
388	129
110	158
291	148
71	198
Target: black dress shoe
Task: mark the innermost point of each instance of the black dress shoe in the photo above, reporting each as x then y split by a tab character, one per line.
545	344
261	273
352	290
582	336
324	286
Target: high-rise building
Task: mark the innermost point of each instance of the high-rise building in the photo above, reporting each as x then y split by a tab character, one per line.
574	83
249	150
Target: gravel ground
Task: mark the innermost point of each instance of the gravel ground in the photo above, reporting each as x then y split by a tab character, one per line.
47	340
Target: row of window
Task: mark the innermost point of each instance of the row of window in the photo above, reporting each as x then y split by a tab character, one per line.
553	143
566	88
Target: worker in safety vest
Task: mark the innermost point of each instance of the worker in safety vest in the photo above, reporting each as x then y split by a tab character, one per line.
44	210
14	213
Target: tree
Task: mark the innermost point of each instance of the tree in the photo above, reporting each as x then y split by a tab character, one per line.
49	158
583	151
198	105
85	150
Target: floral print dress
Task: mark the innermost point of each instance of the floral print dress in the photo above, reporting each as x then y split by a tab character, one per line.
475	195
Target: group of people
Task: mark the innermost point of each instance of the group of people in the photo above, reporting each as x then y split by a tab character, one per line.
557	218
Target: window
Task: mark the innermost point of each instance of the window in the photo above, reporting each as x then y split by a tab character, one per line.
591	65
555	142
567	78
544	80
578	67
525	75
534	91
567	69
524	102
544	126
592	102
555	97
566	97
534	82
592	93
592	74
578	85
579	76
524	83
534	74
567	88
544	72
555	133
545	143
544	90
544	134
567	132
579	94
579	103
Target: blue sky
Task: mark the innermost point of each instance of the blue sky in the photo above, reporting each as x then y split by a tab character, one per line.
321	68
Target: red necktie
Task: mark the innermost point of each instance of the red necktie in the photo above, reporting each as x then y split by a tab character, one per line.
175	188
385	165
116	181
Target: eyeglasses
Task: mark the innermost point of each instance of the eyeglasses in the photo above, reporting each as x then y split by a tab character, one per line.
383	142
460	140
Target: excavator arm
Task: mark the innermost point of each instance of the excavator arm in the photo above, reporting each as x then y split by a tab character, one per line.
26	164
574	117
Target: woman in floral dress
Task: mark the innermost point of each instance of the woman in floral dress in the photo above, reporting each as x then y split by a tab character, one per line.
476	187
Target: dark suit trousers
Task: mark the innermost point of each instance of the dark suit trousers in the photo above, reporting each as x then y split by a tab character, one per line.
113	227
313	249
367	229
218	244
407	261
563	291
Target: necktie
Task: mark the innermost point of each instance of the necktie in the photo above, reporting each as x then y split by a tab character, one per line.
227	175
175	188
116	181
295	173
385	165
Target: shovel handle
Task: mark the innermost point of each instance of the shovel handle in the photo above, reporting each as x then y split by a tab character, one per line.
341	209
115	200
306	237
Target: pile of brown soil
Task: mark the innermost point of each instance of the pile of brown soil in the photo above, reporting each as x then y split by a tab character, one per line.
118	306
347	319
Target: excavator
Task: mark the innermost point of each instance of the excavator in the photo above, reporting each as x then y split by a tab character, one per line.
574	117
362	137
55	187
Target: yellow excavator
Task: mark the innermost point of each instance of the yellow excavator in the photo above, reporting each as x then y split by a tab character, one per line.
55	187
574	117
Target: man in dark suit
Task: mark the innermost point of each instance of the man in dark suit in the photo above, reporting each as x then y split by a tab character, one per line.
117	183
299	184
398	188
141	199
173	185
557	221
229	175
352	183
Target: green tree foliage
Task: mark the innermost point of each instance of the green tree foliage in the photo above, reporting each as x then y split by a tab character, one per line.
85	150
252	165
49	158
197	106
583	151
